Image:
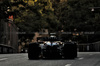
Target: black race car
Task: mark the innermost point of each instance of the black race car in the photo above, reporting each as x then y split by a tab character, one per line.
52	47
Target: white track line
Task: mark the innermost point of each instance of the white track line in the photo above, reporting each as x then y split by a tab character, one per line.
81	58
3	59
68	65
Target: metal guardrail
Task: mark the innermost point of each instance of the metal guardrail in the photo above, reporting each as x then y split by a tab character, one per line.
89	47
5	49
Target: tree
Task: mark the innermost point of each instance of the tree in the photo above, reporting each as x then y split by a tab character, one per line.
75	14
35	15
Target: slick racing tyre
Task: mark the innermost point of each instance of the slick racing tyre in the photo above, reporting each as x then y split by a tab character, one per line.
70	50
34	51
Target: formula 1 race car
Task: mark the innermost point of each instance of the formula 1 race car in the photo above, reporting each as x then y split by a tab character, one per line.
52	47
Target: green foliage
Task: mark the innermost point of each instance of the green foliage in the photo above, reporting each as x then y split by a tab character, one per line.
77	14
34	17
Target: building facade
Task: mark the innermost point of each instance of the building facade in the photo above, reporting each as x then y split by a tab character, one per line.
8	30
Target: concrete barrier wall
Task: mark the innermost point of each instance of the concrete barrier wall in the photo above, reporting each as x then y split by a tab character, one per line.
91	47
4	49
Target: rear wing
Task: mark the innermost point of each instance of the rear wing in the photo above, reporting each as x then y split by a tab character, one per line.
48	39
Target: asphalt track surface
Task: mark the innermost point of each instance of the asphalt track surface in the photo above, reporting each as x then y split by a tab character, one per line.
21	59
